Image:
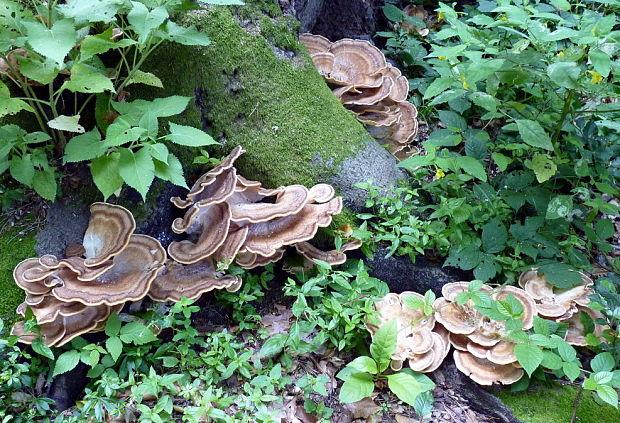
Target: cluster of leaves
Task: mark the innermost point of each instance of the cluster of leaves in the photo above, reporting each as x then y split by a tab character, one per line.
60	57
606	299
522	166
361	374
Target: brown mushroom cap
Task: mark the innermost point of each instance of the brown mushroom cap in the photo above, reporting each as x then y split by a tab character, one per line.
191	281
227	252
29	275
575	334
323	62
529	306
321	193
81	323
50	307
368	96
459	341
289	200
108	232
357	62
419	362
456	319
400	90
310	252
440	351
484	372
315	43
477	350
488	332
502	353
128	280
51	332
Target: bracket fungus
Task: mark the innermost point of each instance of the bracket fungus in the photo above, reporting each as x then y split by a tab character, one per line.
74	295
230	219
368	85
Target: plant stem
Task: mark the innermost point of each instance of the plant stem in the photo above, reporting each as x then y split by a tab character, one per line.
576	405
565	111
579	112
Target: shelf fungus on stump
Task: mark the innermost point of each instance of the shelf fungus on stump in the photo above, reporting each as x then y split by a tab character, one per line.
231	219
421	341
75	295
368	85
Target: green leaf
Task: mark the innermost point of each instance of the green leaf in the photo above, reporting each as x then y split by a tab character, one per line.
86	79
54	43
120	132
571	370
560	274
494	236
424	404
567	352
560	4
113	325
383	344
91	10
66	123
137	169
605	228
143	21
159	151
560	206
146	78
105	171
364	364
529	357
10	106
66	361
40	348
100	43
413	302
603	362
602	378
273	346
393	13
543	166
357	387
22	169
189	136
84	147
485	101
600	61
188	36
501	161
452	120
44	183
114	346
551	360
172	171
608	394
565	74
533	134
438	86
473	167
137	333
404	386
37	70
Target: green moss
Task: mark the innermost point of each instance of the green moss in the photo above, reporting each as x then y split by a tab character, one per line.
16	247
280	110
555	404
278	33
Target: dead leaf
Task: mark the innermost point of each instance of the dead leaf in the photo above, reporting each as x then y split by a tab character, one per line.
400	418
362	409
277	323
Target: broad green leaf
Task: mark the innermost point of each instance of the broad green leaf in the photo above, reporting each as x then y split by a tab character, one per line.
494	236
159	152
605	228
172	171
600	61
137	333
86	79
608	394
44	183
404	386
66	361
560	4
603	362
113	325
100	43
91	10
54	43
567	352
565	74
543	166
143	21
571	370
602	378
424	404
472	166
452	120
364	364
529	357
120	132
160	107
356	387
384	344
485	101
393	13
84	147
188	36
438	86
560	206
560	274
40	348
37	70
22	169
114	346
533	134
137	169
189	136
106	175
273	346
551	360
10	106
501	161
66	123
413	302
146	78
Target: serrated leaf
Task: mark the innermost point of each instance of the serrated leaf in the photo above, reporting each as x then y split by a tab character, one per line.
66	362
44	183
413	302
600	61
560	274
91	10
571	370
37	70
22	169
404	386
120	132
66	123
100	43
438	86
473	167
114	346
533	134
143	21
189	136
137	333
494	236
55	42
84	147
565	74
544	167
105	172
159	151
393	13
40	348
501	161
188	36
113	325
86	79
384	344
137	169
356	387
146	78
11	106
603	362
171	171
605	228
529	357
608	395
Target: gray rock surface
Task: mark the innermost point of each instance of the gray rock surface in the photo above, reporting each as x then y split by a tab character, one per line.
65	224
